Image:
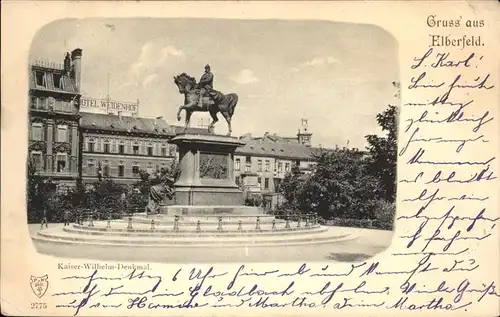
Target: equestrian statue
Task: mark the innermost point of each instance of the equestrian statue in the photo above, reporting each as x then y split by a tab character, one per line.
201	97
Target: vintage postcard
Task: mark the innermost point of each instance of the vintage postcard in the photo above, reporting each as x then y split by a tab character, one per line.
250	158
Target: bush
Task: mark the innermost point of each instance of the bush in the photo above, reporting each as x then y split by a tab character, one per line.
347	222
385	213
384	218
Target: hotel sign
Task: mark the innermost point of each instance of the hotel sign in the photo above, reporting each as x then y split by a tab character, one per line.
47	64
108	106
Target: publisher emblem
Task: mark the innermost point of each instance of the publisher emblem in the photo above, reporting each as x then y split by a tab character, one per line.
39	285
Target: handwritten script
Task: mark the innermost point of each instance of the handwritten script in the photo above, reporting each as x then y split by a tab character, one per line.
446	150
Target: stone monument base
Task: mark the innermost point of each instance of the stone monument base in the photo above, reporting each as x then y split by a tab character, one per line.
188	210
208	195
206	171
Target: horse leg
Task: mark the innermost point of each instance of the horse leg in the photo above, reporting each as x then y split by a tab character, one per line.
228	119
179	113
213	114
188	118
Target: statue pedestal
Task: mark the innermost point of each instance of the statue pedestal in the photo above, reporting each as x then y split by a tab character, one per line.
206	171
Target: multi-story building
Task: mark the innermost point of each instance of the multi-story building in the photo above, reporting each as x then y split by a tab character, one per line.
262	163
54	96
120	146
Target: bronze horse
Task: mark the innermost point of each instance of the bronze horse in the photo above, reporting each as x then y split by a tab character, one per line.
222	103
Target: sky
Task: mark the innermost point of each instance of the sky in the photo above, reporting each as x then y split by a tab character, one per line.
337	75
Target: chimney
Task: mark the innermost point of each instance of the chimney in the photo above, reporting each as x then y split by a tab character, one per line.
120	115
157	123
67	64
76	57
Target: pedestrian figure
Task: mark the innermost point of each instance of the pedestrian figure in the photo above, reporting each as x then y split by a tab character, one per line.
44	219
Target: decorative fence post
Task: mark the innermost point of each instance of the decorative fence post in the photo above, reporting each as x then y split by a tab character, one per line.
307	220
274	224
219	226
239	226
198	227
91	219
129	227
108	225
287	223
298	222
152	224
176	223
257	224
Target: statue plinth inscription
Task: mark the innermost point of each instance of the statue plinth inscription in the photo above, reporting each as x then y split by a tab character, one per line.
206	170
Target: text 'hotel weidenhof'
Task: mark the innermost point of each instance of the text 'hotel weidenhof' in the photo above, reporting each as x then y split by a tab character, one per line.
75	138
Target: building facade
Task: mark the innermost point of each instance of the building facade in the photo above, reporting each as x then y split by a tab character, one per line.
118	147
54	97
262	163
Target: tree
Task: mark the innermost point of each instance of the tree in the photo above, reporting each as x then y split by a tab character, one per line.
339	186
383	151
34	192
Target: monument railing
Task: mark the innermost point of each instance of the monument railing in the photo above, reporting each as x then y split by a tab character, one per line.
291	222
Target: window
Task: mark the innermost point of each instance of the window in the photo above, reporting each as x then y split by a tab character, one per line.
42	103
91	145
259	182
121	148
259	165
61	162
280	167
163	151
266	183
237	180
91	167
268	164
106	170
58	81
248	163
37	131
150	150
287	167
37	160
275	166
135	169
40	78
121	170
237	164
277	184
34	102
62	133
106	146
135	149
58	105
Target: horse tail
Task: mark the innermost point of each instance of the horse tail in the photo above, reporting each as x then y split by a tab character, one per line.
232	103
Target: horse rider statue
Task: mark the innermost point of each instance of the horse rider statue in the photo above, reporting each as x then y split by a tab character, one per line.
206	85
